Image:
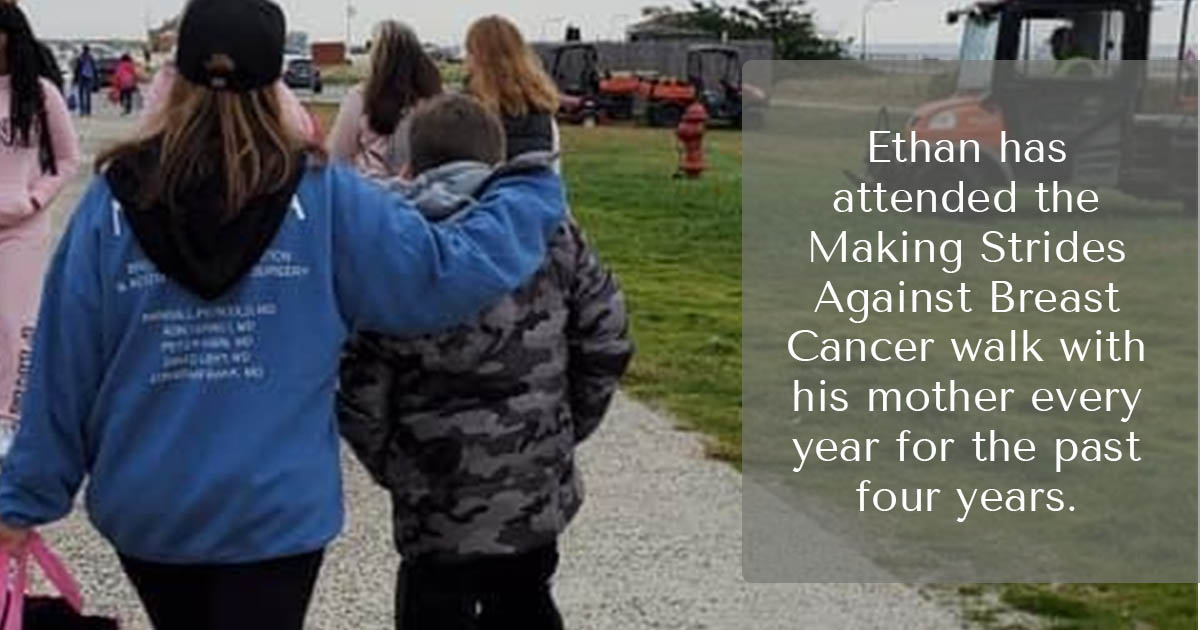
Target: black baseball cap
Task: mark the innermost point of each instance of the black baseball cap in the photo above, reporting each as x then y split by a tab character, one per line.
234	45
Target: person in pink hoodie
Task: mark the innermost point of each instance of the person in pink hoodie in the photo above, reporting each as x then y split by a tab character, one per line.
38	154
125	83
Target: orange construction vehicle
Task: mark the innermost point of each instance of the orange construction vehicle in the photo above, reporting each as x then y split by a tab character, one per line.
1037	69
713	78
588	96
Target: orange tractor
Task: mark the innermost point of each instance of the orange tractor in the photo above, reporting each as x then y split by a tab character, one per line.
1039	69
586	95
713	80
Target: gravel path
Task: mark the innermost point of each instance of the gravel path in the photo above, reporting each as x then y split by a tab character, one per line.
657	545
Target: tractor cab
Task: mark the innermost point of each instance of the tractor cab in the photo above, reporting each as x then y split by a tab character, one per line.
1101	30
574	69
1052	69
588	94
1049	38
716	73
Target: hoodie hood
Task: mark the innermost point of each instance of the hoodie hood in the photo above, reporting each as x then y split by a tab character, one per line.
446	190
196	245
451	188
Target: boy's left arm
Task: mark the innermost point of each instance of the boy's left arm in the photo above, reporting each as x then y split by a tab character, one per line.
598	338
364	398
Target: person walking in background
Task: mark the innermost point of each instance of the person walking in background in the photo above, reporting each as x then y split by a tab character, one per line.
87	75
38	154
185	360
371	131
125	83
506	74
473	431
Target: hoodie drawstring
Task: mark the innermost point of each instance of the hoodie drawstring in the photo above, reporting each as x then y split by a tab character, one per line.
116	218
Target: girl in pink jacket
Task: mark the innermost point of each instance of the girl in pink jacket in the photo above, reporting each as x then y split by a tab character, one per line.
38	154
125	83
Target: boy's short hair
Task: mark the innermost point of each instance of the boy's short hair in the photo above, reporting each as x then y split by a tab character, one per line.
454	128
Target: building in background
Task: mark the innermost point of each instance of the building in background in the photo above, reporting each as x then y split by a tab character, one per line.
329	53
162	39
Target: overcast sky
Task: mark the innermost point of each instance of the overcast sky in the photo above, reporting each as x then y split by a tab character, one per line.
899	21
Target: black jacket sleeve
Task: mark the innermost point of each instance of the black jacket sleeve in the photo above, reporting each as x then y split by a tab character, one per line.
598	338
364	398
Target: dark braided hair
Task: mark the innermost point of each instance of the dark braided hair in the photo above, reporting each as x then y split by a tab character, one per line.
27	108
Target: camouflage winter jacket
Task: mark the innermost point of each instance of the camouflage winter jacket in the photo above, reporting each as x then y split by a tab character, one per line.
474	430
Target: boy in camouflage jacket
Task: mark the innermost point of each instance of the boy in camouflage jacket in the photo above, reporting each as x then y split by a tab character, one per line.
473	431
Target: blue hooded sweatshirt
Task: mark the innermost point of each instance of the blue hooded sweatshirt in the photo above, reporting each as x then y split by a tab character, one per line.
194	385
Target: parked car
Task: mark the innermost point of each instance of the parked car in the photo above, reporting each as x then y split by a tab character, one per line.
301	72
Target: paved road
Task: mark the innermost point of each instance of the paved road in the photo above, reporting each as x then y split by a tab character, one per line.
657	546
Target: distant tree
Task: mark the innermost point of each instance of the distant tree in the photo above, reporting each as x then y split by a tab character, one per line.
786	23
657	11
790	27
716	19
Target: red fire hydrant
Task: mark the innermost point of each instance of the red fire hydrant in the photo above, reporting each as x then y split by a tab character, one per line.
691	141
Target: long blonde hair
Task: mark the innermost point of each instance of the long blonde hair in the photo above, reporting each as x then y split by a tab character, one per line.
505	73
201	134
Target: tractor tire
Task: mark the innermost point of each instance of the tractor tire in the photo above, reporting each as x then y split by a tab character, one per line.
623	108
654	116
672	115
667	115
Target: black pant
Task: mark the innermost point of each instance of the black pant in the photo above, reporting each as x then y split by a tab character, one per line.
83	89
127	101
271	595
497	593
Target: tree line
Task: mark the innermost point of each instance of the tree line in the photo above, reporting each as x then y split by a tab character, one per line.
787	24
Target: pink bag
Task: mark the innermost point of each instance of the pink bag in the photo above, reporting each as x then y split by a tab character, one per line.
21	612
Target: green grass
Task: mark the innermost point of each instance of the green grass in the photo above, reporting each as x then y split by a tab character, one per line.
1107	606
676	245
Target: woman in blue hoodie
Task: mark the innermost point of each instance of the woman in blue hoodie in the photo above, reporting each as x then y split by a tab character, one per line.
186	357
